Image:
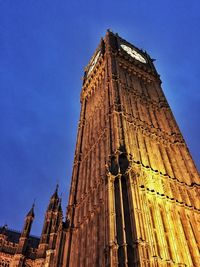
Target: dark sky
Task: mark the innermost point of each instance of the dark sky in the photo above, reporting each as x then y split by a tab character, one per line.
44	46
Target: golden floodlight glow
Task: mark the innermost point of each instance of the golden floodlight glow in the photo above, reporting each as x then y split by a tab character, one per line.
134	192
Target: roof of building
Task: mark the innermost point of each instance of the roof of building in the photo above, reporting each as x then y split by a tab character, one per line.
13	236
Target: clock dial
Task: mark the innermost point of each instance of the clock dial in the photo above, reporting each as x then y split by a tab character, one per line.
94	61
133	53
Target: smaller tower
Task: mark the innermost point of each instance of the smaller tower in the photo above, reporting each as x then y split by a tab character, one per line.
19	256
28	223
59	254
52	221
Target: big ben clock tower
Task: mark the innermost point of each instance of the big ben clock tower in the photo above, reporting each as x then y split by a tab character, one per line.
134	198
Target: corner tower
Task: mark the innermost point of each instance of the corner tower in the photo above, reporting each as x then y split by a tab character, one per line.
134	191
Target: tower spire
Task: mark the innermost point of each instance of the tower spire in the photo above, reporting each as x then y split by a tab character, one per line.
28	221
18	259
31	211
55	194
53	218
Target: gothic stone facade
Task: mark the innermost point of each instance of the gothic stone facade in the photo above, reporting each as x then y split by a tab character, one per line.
134	198
23	250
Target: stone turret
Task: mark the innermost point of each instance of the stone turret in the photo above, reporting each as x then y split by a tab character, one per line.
52	221
18	259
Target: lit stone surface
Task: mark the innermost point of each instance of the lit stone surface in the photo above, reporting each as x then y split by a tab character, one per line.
134	192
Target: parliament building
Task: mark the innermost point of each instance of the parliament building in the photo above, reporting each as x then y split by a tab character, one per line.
134	198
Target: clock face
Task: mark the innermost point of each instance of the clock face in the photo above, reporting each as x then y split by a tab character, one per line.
133	53
94	61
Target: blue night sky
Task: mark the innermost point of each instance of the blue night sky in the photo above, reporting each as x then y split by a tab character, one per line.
44	46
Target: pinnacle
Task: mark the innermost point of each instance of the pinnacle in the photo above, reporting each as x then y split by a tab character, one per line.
31	211
55	194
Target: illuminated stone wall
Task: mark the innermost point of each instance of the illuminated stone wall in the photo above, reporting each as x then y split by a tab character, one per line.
134	192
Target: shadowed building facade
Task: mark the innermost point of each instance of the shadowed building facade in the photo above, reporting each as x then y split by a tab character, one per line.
20	249
134	198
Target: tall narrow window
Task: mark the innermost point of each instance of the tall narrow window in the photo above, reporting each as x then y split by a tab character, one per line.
119	224
127	221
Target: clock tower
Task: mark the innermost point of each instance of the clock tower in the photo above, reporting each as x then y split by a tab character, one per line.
134	198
